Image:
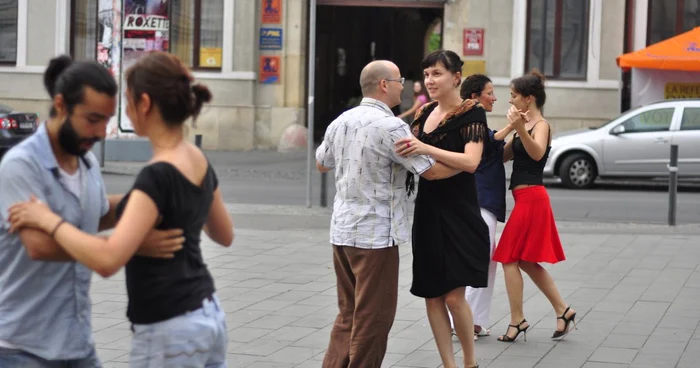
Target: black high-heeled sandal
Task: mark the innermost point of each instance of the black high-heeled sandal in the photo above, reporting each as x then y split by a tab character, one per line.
560	334
506	338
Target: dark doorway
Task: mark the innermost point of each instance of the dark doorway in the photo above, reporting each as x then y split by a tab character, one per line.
349	37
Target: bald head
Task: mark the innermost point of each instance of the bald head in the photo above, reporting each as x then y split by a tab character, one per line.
373	73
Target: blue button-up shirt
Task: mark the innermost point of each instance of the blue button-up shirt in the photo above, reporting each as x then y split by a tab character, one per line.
45	307
491	179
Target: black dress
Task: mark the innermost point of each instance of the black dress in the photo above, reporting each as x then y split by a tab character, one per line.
450	238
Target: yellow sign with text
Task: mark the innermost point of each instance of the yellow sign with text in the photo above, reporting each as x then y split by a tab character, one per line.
473	67
210	57
681	90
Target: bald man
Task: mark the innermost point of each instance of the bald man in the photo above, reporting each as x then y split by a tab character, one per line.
370	215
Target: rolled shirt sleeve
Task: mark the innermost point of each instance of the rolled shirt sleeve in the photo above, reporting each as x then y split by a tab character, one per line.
415	164
324	153
19	180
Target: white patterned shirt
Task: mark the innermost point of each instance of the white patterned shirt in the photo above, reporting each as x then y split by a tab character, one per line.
370	209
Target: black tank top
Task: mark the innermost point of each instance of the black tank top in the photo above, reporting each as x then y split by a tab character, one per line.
525	169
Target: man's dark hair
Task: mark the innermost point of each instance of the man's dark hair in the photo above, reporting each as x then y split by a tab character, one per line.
69	78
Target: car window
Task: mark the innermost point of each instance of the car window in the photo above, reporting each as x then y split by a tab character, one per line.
657	120
691	118
4	109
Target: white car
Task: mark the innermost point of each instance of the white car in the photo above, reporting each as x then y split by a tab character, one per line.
636	144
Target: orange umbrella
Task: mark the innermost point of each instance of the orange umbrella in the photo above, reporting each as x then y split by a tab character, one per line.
681	52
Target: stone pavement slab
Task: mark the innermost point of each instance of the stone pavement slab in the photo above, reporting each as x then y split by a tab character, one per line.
636	290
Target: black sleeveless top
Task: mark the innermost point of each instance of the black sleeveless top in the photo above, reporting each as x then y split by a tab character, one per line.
525	169
160	289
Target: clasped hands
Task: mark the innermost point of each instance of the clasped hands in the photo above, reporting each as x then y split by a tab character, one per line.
517	118
37	215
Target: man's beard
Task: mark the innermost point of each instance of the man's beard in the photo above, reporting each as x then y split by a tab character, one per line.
70	141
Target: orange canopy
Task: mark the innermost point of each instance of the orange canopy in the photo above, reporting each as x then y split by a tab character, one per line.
681	52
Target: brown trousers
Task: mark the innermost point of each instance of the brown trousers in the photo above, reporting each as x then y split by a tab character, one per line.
368	283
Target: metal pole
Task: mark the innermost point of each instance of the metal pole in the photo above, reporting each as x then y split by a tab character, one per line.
103	152
673	185
324	190
310	159
198	141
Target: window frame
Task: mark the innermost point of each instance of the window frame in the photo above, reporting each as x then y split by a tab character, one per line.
197	38
556	52
196	34
14	62
680	19
72	26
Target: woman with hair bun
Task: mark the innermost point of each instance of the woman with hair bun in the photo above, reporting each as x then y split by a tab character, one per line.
176	317
530	235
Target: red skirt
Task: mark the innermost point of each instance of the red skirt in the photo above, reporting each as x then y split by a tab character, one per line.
530	233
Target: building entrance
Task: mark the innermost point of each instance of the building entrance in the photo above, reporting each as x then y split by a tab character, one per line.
350	36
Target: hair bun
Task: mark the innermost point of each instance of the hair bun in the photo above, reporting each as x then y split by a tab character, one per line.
536	73
56	66
201	93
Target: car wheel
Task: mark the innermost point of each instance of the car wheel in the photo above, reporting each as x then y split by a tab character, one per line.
578	171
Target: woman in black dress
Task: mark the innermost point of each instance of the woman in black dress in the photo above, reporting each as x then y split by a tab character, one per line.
450	238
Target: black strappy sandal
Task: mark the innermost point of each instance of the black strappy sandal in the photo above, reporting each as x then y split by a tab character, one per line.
506	338
560	334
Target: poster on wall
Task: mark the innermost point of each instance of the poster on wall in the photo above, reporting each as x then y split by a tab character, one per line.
271	11
146	27
109	35
473	42
269	69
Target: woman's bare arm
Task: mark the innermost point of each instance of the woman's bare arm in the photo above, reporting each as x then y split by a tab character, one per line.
536	144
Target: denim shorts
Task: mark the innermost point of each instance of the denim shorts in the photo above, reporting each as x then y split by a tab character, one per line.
19	358
194	339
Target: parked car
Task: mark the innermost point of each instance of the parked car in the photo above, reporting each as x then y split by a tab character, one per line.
15	126
634	145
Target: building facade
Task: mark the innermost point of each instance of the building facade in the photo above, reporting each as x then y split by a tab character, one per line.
253	53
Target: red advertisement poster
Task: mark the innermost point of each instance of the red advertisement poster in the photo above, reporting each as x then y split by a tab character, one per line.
145	28
269	69
473	43
272	11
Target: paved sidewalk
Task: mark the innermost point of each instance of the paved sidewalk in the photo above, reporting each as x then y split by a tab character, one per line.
636	290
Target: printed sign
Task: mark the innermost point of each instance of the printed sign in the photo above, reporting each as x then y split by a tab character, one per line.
471	67
681	90
473	42
272	11
210	57
146	28
269	69
270	39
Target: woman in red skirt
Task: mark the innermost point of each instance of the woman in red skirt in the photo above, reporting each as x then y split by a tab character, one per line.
530	235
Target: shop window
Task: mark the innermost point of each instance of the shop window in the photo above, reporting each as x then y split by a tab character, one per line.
557	38
8	31
196	31
668	18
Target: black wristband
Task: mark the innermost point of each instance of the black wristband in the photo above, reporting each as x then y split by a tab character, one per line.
57	226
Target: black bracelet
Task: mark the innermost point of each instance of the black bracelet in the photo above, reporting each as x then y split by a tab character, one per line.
56	228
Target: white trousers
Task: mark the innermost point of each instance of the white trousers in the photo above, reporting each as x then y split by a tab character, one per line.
479	299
